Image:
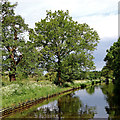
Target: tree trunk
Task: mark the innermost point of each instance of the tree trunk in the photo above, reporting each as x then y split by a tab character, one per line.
59	77
59	70
12	77
107	81
12	73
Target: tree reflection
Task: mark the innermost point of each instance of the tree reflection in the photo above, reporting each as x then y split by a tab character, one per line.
112	93
90	90
68	106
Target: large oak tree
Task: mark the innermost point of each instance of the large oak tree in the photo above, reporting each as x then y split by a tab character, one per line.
59	39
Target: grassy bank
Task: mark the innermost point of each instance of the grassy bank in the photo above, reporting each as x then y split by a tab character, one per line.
19	92
16	93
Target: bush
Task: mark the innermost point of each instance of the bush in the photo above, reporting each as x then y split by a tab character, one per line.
67	84
83	86
51	76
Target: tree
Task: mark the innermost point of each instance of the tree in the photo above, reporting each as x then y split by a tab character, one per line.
75	65
59	38
113	60
107	72
16	51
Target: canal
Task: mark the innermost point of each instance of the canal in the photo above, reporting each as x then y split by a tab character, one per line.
100	101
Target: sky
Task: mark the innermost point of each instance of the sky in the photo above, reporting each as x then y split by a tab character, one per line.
101	15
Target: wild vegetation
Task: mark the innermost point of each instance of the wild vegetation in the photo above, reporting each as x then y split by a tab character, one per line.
19	92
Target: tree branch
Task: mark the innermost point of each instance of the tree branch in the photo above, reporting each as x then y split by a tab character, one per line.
20	58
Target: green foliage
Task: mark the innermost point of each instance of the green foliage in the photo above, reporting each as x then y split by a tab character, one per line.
107	72
19	56
64	45
57	43
113	60
94	75
90	75
67	84
83	75
51	76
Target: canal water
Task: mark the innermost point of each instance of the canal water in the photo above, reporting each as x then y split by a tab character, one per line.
99	101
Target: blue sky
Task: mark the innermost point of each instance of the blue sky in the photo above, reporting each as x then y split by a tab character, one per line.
102	15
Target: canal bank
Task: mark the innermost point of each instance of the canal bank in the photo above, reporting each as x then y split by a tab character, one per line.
25	105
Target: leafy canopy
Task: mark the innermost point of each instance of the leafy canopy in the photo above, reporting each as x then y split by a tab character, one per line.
64	44
113	59
16	50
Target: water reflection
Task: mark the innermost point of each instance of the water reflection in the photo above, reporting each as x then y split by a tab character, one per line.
112	94
97	100
90	90
68	106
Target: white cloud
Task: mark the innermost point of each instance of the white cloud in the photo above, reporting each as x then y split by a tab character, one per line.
100	53
34	10
106	26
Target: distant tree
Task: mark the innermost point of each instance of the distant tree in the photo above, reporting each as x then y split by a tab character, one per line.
17	53
107	72
59	38
91	75
113	60
97	74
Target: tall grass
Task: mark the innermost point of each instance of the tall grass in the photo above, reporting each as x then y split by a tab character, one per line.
16	93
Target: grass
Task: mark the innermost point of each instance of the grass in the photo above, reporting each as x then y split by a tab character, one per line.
79	83
17	92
